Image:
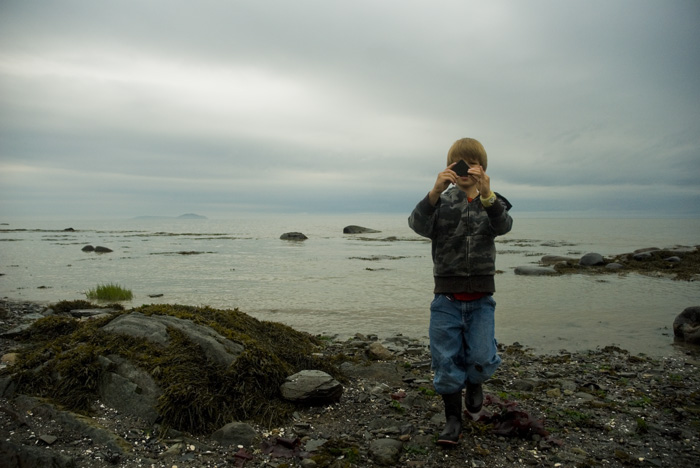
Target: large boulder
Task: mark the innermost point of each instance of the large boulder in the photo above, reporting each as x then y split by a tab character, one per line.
686	326
155	328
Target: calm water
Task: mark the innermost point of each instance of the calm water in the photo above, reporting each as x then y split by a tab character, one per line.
340	284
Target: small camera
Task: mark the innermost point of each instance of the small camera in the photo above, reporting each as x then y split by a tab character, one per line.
461	168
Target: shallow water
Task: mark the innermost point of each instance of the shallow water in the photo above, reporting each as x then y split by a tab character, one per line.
341	284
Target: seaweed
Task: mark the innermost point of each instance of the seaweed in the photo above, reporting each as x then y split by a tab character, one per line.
61	360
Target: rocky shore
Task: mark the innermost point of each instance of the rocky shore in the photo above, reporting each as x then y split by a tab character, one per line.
604	408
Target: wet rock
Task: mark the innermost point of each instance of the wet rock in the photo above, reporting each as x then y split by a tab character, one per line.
614	266
20	456
554	259
88	248
128	389
293	236
686	326
155	328
591	259
236	433
385	452
353	229
535	270
312	387
379	352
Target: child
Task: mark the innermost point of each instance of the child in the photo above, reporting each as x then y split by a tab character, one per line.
462	223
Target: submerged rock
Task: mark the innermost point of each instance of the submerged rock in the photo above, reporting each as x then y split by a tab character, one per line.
535	270
293	236
352	229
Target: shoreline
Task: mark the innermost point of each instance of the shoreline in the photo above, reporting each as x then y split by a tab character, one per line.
603	407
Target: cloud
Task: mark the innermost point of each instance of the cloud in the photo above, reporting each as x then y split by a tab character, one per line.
315	107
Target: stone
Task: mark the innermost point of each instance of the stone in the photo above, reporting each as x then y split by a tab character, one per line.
236	433
83	313
686	326
614	266
155	328
128	389
352	229
554	259
88	248
379	352
100	249
9	359
385	452
15	455
641	256
293	236
312	387
535	270
591	259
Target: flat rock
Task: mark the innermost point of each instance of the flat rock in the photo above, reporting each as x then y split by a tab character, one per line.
312	387
535	270
352	229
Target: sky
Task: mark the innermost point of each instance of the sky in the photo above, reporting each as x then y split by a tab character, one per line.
117	109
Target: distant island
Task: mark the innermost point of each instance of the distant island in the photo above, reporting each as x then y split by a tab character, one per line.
184	216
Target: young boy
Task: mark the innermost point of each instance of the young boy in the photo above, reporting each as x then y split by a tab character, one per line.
462	223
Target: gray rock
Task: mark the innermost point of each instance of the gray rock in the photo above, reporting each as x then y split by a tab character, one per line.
155	328
128	388
614	266
673	259
686	326
293	236
352	229
535	270
591	259
385	452
88	248
312	387
13	455
553	259
82	313
100	249
641	256
378	351
236	433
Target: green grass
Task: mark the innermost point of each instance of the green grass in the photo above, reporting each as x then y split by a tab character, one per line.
109	292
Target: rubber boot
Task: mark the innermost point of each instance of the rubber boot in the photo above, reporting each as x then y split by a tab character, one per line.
453	419
474	398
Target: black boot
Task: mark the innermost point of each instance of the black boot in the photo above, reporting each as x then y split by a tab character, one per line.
474	399
453	417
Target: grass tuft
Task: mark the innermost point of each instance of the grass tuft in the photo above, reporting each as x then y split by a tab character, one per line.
109	292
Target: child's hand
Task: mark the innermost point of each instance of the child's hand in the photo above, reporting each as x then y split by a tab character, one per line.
483	182
444	179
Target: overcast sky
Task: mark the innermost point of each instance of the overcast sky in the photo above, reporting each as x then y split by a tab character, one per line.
163	107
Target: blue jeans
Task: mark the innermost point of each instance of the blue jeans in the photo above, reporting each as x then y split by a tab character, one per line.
462	342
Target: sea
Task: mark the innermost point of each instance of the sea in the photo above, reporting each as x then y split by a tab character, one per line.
339	285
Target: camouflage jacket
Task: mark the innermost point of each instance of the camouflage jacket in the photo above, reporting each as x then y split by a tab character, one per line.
462	235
